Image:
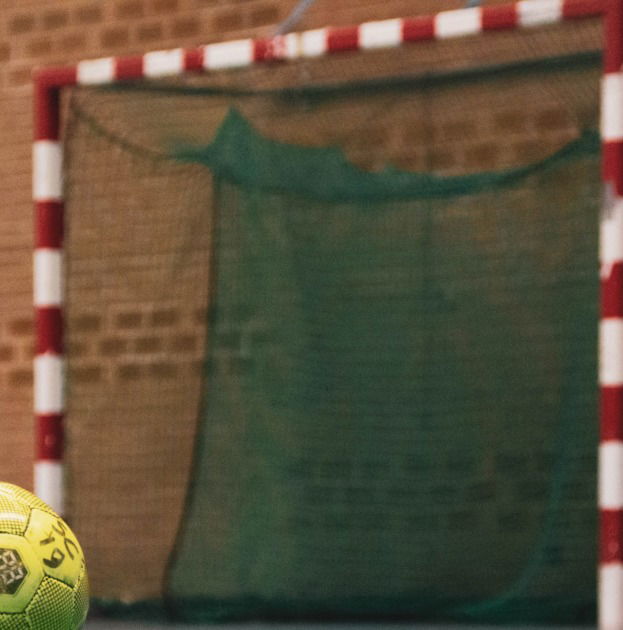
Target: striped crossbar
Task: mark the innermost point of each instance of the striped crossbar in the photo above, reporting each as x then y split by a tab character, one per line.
49	368
320	42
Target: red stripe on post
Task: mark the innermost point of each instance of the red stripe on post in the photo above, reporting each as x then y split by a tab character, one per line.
612	165
345	38
612	292
46	109
49	444
127	68
49	224
613	53
49	321
582	8
418	28
47	83
58	76
193	60
497	18
611	412
610	536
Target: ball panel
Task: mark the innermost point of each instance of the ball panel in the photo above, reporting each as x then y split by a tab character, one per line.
57	546
81	600
23	496
14	622
52	606
13	516
18	555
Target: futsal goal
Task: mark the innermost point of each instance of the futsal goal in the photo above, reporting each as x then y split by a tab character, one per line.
317	319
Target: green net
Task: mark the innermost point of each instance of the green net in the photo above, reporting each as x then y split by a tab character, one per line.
333	345
398	394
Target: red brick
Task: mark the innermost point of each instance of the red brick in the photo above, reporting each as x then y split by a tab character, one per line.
459	129
482	156
113	346
528	150
130	9
20	76
129	372
163	370
114	37
164	6
39	47
86	374
129	320
20	377
72	42
89	14
147	344
511	120
55	19
21	23
5	52
186	27
149	32
77	349
554	118
442	159
6	353
21	327
164	317
265	14
228	21
85	323
184	343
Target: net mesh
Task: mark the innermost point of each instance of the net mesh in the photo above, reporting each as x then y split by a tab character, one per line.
331	343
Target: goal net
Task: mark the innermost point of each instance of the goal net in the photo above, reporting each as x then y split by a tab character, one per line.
331	333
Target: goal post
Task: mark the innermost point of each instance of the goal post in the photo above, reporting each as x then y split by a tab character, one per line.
611	340
48	190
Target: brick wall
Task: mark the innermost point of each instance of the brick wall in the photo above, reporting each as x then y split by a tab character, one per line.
34	33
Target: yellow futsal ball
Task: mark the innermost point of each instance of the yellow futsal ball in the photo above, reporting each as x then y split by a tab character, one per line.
43	577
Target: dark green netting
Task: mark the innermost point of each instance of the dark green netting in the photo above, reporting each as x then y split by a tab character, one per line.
399	409
376	279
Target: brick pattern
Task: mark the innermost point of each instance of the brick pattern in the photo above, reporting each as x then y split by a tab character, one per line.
134	344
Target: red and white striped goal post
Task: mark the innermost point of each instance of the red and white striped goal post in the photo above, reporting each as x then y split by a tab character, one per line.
49	362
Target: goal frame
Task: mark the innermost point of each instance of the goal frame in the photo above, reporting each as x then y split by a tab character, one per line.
49	361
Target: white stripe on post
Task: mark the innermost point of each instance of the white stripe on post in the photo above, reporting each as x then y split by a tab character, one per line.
458	23
610	479
611	234
612	106
381	34
49	380
610	594
611	351
163	63
96	71
314	43
538	12
48	277
47	174
234	54
48	484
